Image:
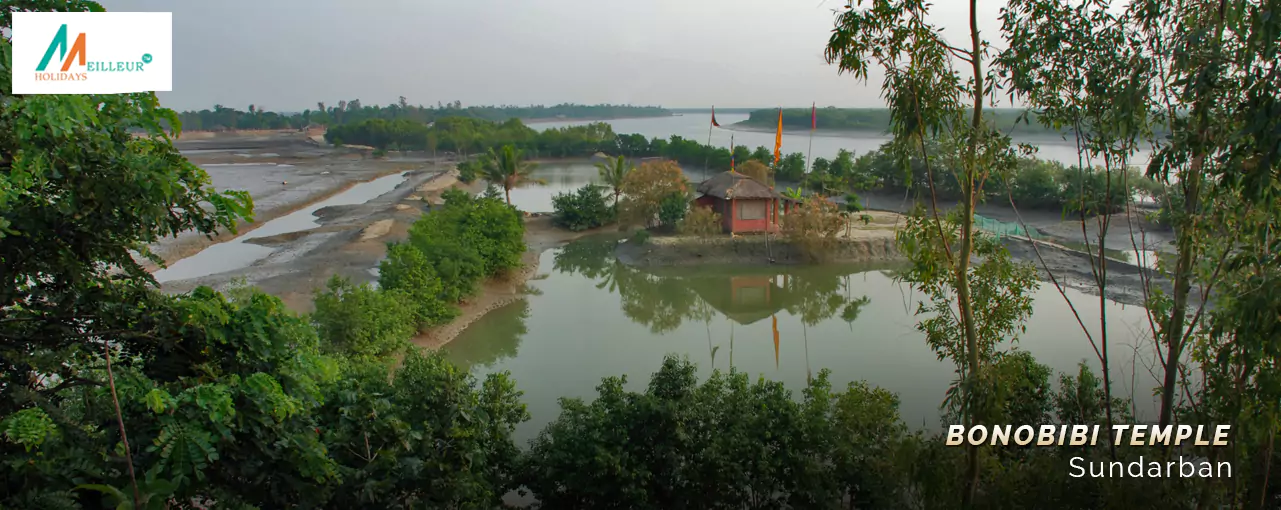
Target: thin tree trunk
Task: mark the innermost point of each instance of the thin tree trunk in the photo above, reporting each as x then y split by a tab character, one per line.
963	258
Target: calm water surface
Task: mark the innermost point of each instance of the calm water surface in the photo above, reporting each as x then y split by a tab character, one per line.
593	317
826	145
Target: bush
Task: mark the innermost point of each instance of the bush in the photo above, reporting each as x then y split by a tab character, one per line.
853	203
426	433
467	171
583	209
702	222
812	227
361	321
680	444
408	271
641	237
672	209
645	188
459	244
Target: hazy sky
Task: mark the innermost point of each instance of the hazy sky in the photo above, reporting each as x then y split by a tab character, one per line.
286	55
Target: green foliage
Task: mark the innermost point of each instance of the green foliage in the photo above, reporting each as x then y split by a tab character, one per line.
725	443
463	241
583	209
614	172
427	435
640	237
468	171
407	271
791	168
507	168
361	321
672	209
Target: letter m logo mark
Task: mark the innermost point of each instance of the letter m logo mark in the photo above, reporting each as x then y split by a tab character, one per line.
59	44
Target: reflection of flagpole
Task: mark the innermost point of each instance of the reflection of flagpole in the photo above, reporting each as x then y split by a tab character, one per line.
805	330
731	342
775	321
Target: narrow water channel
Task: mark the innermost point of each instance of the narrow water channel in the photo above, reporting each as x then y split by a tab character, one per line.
237	254
594	317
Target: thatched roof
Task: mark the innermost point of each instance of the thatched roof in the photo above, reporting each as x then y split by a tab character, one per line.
731	184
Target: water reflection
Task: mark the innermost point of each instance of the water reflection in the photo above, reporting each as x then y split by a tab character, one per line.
502	329
665	299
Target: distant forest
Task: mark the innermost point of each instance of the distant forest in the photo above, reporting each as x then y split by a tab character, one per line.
222	118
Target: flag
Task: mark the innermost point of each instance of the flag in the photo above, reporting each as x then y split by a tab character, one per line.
775	317
714	123
813	116
778	138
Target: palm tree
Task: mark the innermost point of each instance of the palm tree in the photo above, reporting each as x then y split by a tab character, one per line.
508	168
612	173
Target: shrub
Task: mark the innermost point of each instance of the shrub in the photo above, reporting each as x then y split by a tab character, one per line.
465	240
702	222
812	227
583	209
408	271
361	321
467	171
672	209
853	203
681	444
640	237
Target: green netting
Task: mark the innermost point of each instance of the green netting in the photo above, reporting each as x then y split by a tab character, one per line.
1002	229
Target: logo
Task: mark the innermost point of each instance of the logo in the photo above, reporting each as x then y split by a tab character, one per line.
59	45
92	52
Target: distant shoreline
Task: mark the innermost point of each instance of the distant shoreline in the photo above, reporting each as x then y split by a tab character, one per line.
592	119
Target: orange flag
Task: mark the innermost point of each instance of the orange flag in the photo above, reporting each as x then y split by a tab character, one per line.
778	138
775	317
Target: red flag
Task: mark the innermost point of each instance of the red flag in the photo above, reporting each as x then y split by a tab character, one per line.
813	116
714	123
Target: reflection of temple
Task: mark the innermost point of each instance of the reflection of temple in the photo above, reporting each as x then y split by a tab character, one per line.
744	299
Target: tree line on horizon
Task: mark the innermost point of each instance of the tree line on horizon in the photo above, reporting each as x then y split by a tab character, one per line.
223	118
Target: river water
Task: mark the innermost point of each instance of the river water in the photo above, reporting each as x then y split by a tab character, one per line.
593	317
826	144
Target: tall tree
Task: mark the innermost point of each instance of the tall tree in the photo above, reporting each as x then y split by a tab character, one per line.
929	97
612	174
507	168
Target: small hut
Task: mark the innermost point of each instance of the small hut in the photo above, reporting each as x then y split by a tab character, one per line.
745	204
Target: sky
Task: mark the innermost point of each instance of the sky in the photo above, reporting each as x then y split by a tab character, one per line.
286	55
